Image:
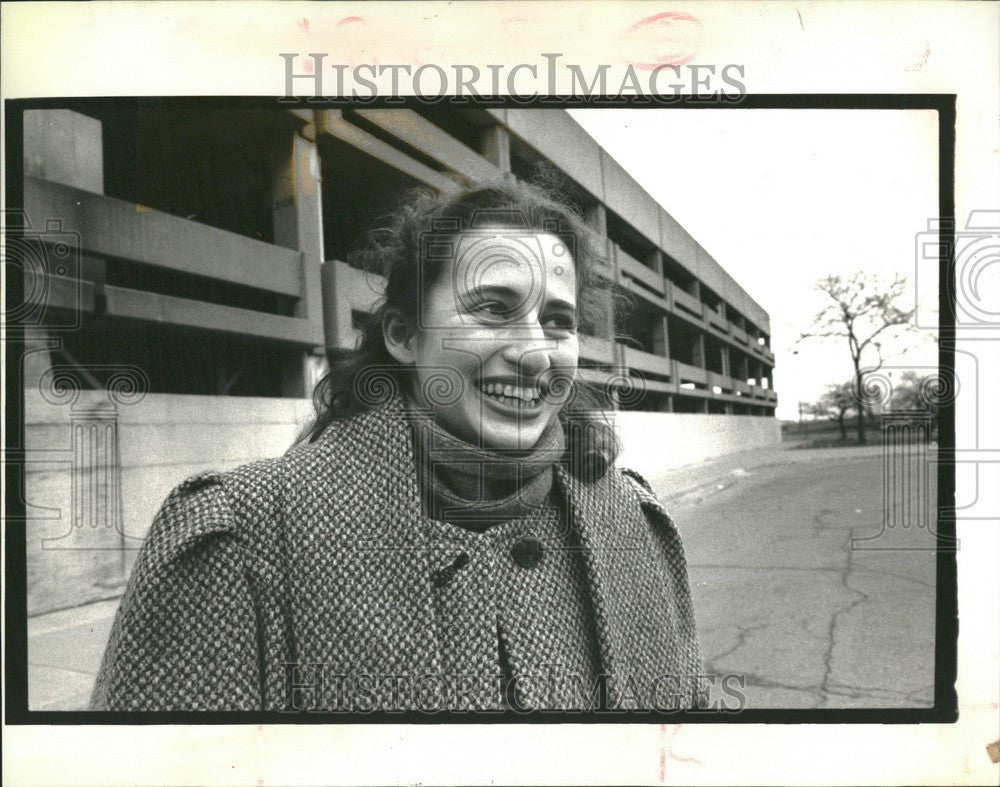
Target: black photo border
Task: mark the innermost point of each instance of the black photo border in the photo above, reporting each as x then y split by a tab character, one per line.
945	707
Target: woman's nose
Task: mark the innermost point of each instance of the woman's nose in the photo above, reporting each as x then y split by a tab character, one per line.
529	350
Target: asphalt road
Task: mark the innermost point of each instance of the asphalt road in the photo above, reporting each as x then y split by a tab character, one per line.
783	599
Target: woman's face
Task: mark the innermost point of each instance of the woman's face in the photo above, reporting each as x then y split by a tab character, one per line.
498	326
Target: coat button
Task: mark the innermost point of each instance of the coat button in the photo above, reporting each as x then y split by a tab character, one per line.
527	552
443	576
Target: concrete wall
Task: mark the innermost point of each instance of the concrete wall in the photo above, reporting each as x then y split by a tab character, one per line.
654	443
84	551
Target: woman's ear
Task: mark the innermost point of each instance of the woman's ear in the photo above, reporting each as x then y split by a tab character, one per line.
400	339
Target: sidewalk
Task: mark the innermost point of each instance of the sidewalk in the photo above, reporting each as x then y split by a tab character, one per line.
64	654
695	482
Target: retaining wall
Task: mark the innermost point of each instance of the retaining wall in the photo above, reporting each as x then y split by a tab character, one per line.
654	443
84	552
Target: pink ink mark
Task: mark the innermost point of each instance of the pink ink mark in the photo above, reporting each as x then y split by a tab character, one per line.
681	31
667	750
347	20
922	60
663	753
304	25
309	65
514	25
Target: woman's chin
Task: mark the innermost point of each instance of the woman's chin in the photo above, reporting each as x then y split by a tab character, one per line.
508	434
496	428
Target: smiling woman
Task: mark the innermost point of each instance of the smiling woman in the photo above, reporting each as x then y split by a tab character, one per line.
450	533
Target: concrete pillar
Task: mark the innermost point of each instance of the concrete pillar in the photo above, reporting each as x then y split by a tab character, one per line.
297	199
743	368
726	368
660	339
297	195
496	147
597	217
663	335
702	406
301	373
698	351
656	261
64	147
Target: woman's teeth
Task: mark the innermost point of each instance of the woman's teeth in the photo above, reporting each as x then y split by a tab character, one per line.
501	391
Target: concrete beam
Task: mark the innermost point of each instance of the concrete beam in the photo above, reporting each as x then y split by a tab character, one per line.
169	310
116	228
560	139
629	200
331	121
419	132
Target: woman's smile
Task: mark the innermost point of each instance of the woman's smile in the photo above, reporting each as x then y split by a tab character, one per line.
518	398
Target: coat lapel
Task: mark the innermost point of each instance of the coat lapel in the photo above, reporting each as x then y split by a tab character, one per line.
631	594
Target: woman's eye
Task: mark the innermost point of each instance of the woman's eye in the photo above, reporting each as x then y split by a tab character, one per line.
562	322
490	309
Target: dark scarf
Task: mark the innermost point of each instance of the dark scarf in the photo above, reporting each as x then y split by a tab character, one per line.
477	488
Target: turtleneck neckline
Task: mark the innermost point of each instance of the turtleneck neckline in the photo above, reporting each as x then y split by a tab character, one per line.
476	488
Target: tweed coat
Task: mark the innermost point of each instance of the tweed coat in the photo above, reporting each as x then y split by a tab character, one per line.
263	587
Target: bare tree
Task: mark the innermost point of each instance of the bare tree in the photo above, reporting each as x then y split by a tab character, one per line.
864	311
836	402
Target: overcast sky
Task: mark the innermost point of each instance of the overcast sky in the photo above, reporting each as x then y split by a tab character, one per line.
783	197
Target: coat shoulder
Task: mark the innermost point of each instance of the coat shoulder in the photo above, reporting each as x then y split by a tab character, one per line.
250	503
647	497
195	510
241	504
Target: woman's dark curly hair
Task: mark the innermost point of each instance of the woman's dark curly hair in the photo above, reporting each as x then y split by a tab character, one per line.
358	380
